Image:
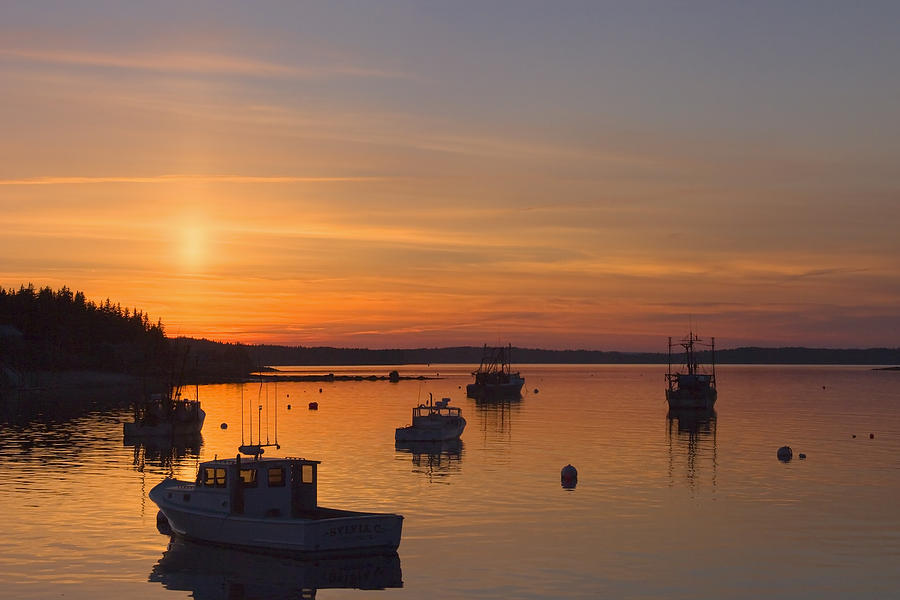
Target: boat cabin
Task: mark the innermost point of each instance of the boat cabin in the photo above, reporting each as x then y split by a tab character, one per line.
252	487
434	410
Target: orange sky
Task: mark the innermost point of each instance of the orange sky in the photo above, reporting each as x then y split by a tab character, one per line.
419	177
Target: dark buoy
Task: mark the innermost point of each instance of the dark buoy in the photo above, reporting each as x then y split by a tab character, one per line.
854	435
224	425
785	453
313	406
320	390
162	524
535	390
568	477
289	407
801	456
871	436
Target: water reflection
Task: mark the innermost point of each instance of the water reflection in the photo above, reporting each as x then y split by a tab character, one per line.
497	415
691	435
219	573
435	459
163	453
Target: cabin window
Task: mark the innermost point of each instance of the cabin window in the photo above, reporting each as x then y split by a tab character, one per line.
276	477
248	477
306	474
214	477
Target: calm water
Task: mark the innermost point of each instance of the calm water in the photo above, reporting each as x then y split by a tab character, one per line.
664	508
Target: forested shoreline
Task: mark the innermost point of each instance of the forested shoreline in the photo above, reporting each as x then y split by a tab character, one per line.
46	330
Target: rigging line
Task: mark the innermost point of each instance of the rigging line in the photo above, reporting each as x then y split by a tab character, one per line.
242	414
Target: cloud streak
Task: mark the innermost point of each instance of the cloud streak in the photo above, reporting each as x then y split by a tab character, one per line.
190	179
219	64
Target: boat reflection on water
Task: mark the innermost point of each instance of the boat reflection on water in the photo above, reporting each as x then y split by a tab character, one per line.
496	414
219	573
434	459
163	453
691	436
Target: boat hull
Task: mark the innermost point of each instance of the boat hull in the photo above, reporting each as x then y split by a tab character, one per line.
681	399
322	533
165	428
430	434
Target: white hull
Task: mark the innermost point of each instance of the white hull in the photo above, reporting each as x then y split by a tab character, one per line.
430	434
331	531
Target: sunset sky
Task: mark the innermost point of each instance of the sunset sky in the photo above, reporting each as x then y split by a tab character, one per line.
549	174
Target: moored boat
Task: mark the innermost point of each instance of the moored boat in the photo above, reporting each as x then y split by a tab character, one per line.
433	422
165	415
692	387
269	504
494	377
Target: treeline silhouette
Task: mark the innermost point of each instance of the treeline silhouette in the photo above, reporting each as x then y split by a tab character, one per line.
57	330
54	330
47	330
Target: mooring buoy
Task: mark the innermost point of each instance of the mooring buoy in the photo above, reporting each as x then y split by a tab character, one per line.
313	406
224	425
568	477
785	453
801	456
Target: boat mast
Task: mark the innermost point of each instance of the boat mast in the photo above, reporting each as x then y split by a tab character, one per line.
669	370
689	354
713	349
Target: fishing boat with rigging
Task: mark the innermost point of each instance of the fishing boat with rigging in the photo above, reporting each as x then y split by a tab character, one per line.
494	377
165	415
693	386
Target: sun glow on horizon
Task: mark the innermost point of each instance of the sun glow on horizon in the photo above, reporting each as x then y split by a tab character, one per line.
342	190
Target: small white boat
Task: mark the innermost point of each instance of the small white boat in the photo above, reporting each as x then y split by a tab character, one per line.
433	422
269	504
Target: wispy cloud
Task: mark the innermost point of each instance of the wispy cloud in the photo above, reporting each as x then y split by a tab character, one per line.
186	62
188	179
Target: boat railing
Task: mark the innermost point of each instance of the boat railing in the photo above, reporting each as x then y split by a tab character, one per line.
424	410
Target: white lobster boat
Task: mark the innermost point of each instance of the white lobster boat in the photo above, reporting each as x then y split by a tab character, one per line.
269	504
433	422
